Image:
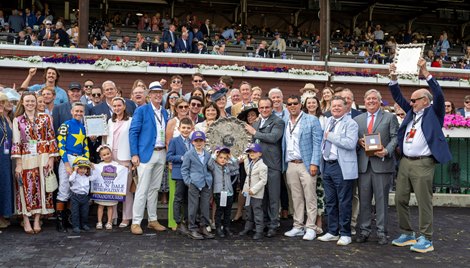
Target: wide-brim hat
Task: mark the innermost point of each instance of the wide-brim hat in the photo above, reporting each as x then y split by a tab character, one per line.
246	110
219	94
3	97
309	87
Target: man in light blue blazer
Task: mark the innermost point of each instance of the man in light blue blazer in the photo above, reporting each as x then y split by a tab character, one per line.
302	150
147	142
339	168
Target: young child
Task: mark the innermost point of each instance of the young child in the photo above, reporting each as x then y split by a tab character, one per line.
177	147
223	167
253	190
80	187
197	177
109	170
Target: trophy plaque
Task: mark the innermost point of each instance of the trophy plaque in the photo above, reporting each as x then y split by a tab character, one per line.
229	132
372	143
96	125
406	59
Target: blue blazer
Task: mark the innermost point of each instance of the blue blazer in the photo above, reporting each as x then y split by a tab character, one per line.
461	111
180	45
143	132
309	141
354	113
175	153
103	108
432	122
194	172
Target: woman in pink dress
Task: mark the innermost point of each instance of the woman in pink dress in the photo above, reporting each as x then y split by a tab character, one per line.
34	148
118	141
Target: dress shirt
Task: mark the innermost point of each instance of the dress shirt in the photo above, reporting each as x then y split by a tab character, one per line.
159	120
334	149
80	184
263	120
200	156
419	145
369	117
467	114
292	140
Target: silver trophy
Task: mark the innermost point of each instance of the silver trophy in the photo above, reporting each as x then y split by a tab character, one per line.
229	132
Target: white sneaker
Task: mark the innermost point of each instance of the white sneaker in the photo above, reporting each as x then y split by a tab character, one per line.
310	235
295	232
328	237
344	241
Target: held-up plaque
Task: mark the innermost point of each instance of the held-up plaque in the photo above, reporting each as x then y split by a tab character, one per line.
407	57
96	125
372	143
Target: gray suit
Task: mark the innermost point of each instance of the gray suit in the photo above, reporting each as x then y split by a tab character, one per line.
375	174
269	136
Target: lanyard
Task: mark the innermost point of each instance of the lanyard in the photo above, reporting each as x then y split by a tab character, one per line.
295	125
159	119
4	129
415	121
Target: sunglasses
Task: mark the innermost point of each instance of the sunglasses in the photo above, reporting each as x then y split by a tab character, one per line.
96	95
49	24
448	106
196	104
183	106
176	81
401	114
197	81
292	103
86	86
208	95
467	102
415	100
173	97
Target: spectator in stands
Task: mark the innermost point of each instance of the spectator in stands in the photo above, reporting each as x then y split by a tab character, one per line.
92	43
391	44
465	111
429	56
139	40
217	41
278	46
466	58
155	23
73	34
221	50
61	36
119	45
29	17
128	21
39	18
166	21
2	18
443	44
15	21
450	107
200	48
261	50
183	44
228	33
170	36
437	62
6	28
46	33
215	50
167	48
206	29
104	44
51	79
197	34
379	35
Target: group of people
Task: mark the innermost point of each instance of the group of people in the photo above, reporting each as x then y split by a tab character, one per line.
319	154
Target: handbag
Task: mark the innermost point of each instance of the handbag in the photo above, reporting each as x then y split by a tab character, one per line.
51	182
135	179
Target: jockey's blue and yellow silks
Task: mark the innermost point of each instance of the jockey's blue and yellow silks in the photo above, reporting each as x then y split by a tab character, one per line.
72	140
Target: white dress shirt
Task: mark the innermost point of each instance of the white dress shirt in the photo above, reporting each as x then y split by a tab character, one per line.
80	184
159	120
292	139
419	145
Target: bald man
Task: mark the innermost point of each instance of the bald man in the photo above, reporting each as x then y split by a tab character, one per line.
422	143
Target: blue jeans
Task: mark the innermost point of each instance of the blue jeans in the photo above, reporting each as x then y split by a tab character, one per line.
79	207
338	199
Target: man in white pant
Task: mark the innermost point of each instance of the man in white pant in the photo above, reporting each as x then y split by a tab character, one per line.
147	142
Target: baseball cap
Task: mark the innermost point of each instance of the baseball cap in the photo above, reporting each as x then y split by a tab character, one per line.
198	135
255	147
81	162
222	149
155	86
75	85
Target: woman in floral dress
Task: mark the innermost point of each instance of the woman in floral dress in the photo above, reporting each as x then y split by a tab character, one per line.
34	148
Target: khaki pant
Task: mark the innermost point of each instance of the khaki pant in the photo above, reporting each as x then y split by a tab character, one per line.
416	175
303	188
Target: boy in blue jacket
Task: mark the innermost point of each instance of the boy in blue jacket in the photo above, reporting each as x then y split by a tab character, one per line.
177	147
196	176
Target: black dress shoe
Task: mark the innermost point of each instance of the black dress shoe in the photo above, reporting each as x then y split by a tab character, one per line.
219	232
361	238
244	232
228	232
195	235
182	229
206	234
271	233
383	240
258	236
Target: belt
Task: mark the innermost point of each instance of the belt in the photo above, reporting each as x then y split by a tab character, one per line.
331	161
417	157
158	148
298	161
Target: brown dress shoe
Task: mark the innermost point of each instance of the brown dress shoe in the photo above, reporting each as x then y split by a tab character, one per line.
135	229
156	226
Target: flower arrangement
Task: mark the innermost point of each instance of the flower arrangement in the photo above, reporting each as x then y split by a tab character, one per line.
456	121
106	63
307	72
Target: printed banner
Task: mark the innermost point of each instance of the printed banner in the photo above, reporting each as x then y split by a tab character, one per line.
111	184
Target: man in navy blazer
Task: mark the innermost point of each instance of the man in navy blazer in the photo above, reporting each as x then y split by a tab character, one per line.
422	143
183	44
465	111
147	141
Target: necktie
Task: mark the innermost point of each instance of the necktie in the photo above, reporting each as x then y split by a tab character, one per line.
327	146
186	142
371	125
